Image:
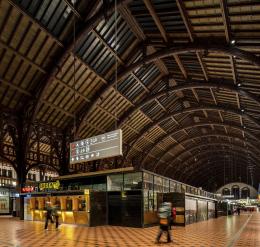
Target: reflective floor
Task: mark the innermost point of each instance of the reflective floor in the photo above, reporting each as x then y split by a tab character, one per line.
243	230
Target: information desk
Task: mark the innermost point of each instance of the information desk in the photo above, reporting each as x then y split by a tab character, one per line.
72	209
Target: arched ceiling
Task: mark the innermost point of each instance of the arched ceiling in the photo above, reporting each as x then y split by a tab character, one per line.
187	76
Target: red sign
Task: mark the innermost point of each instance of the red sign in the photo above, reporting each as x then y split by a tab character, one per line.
28	189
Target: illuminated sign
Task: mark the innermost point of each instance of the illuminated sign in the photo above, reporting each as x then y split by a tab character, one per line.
28	189
97	147
228	196
49	186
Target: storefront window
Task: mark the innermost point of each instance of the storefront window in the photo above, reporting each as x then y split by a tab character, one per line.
68	204
133	181
178	187
148	181
165	185
99	187
158	184
115	182
4	201
172	186
82	204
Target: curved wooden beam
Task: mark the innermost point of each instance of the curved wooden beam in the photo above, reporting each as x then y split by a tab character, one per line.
41	164
54	67
192	138
239	148
222	144
204	160
201	124
211	84
191	110
174	50
203	177
199	168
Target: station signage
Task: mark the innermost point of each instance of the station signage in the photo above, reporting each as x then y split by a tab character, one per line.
49	186
97	147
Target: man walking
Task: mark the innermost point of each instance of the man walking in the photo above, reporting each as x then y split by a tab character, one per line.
164	214
48	215
56	215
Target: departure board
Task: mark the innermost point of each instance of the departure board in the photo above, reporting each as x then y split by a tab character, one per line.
97	147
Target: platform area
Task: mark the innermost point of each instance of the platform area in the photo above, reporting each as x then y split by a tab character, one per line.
243	230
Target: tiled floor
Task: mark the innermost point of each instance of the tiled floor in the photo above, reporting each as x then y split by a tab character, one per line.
243	230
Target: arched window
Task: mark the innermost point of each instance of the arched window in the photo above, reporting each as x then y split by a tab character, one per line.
245	192
235	191
225	191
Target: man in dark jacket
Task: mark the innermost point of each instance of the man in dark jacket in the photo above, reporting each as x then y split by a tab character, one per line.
56	215
48	216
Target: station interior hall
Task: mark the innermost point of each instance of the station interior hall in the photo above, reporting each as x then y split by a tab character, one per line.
130	123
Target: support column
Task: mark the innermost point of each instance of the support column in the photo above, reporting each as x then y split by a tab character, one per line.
19	137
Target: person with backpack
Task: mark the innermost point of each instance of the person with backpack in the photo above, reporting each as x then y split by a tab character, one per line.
164	214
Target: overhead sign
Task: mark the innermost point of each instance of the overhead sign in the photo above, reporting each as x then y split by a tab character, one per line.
97	147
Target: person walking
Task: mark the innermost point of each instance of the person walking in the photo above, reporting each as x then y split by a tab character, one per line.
164	214
55	215
48	215
173	217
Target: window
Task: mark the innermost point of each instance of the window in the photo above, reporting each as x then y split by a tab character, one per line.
115	182
166	185
133	181
235	192
148	181
158	184
245	192
225	192
10	173
173	186
4	173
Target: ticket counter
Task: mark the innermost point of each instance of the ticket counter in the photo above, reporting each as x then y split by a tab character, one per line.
73	209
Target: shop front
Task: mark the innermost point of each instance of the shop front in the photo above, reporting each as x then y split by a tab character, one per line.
123	197
7	200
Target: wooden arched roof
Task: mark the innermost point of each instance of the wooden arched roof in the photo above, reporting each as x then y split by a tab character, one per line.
175	75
